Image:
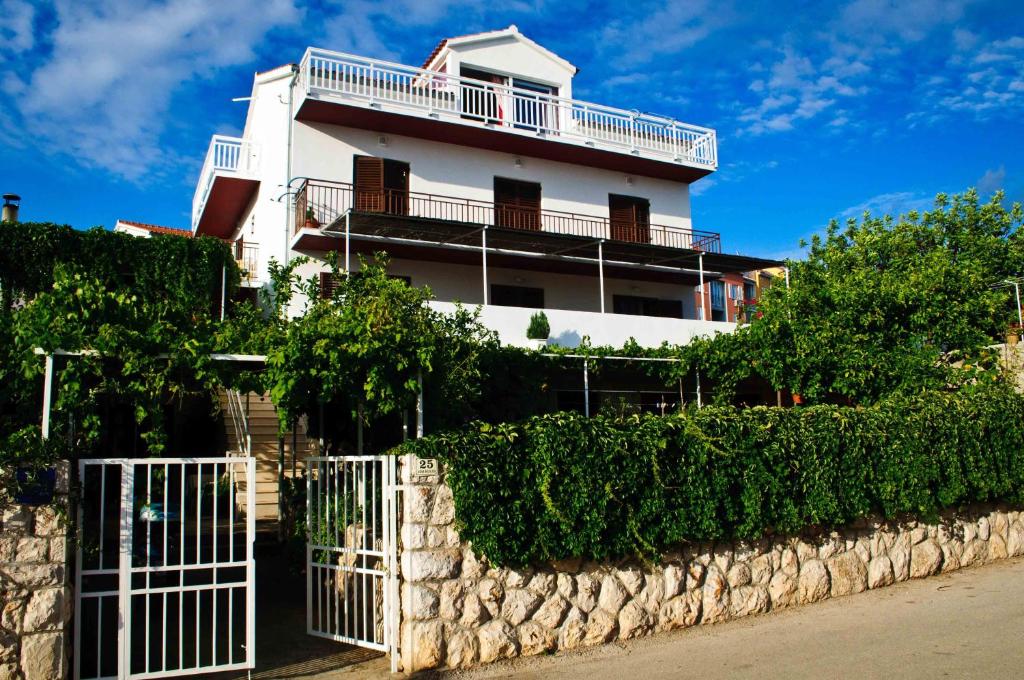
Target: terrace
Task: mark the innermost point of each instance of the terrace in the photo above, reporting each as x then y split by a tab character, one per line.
386	97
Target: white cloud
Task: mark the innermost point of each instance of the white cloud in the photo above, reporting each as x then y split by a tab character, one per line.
894	203
663	32
993	180
102	92
16	30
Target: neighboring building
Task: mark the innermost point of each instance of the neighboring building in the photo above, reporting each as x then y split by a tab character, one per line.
146	230
483	179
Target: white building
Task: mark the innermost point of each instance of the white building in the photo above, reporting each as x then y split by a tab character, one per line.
483	179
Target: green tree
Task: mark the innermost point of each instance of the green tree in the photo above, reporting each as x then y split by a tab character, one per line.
882	306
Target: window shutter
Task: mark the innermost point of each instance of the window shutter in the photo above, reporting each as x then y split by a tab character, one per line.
516	204
369	184
629	219
327	285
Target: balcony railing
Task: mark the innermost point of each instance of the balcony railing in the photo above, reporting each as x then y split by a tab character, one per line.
467	100
225	156
247	257
322	203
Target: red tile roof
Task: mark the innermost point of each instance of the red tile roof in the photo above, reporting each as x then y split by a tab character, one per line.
157	229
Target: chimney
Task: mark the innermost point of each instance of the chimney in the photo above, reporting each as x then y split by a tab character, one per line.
10	210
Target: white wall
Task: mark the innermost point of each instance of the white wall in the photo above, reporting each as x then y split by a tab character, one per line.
508	56
568	328
325	151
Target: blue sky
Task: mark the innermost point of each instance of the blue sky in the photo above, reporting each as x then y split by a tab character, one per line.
822	110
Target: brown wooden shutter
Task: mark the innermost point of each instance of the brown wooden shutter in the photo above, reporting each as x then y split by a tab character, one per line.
327	285
629	219
516	204
369	184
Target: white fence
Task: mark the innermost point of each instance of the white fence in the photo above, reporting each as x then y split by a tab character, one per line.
513	109
165	567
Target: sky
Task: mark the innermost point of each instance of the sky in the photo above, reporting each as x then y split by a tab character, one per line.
822	110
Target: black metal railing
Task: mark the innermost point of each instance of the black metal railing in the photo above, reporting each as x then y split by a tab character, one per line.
320	203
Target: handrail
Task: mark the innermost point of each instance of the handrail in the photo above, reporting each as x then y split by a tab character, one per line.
504	106
240	420
326	202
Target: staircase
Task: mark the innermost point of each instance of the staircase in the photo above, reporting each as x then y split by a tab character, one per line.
252	417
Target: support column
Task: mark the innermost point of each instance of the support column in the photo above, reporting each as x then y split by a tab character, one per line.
786	269
600	271
700	400
47	395
586	389
1020	315
348	226
483	255
703	298
223	291
419	406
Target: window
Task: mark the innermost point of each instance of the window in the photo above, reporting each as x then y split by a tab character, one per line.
516	204
482	102
517	296
734	292
629	218
647	306
533	113
749	290
329	283
381	185
717	295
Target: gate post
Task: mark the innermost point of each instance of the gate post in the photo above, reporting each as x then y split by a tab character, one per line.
35	594
429	553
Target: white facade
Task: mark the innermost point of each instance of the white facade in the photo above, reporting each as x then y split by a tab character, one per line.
308	122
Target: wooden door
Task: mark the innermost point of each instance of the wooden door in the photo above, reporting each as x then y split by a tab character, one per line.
629	218
369	184
516	204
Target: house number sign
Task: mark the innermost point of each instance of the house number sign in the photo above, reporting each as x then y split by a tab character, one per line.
425	467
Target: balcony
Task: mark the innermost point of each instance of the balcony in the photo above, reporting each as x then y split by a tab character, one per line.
247	257
226	184
326	203
569	327
389	97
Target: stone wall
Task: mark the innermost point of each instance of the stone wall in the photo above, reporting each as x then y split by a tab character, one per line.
458	611
35	599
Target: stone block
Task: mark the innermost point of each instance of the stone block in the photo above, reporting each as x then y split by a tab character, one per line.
45	610
813	584
42	656
496	641
587	590
925	559
419	502
782	589
573	630
519	605
747	600
452	594
601	627
631	578
535	639
613	595
680	611
880	572
739	575
474	612
462	649
847	574
32	549
715	596
444	507
427	647
551	612
634	621
427	565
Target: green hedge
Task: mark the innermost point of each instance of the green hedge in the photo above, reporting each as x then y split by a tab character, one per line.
562	485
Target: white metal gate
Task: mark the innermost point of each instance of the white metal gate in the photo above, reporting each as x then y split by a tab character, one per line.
351	584
165	573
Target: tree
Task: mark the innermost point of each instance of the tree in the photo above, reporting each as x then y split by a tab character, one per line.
883	305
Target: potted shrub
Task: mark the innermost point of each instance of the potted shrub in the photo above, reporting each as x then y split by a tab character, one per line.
1013	334
538	330
311	220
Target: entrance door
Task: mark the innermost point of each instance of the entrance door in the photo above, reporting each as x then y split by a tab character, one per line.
164	582
351	587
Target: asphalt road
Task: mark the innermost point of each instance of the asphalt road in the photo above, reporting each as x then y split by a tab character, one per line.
968	624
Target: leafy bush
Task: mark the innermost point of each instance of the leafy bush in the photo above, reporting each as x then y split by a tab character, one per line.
539	328
562	485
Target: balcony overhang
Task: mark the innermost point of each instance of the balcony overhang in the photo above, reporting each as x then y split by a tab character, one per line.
225	204
361	115
456	242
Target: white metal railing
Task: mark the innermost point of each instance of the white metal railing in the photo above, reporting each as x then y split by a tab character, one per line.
238	411
501	106
247	258
225	155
